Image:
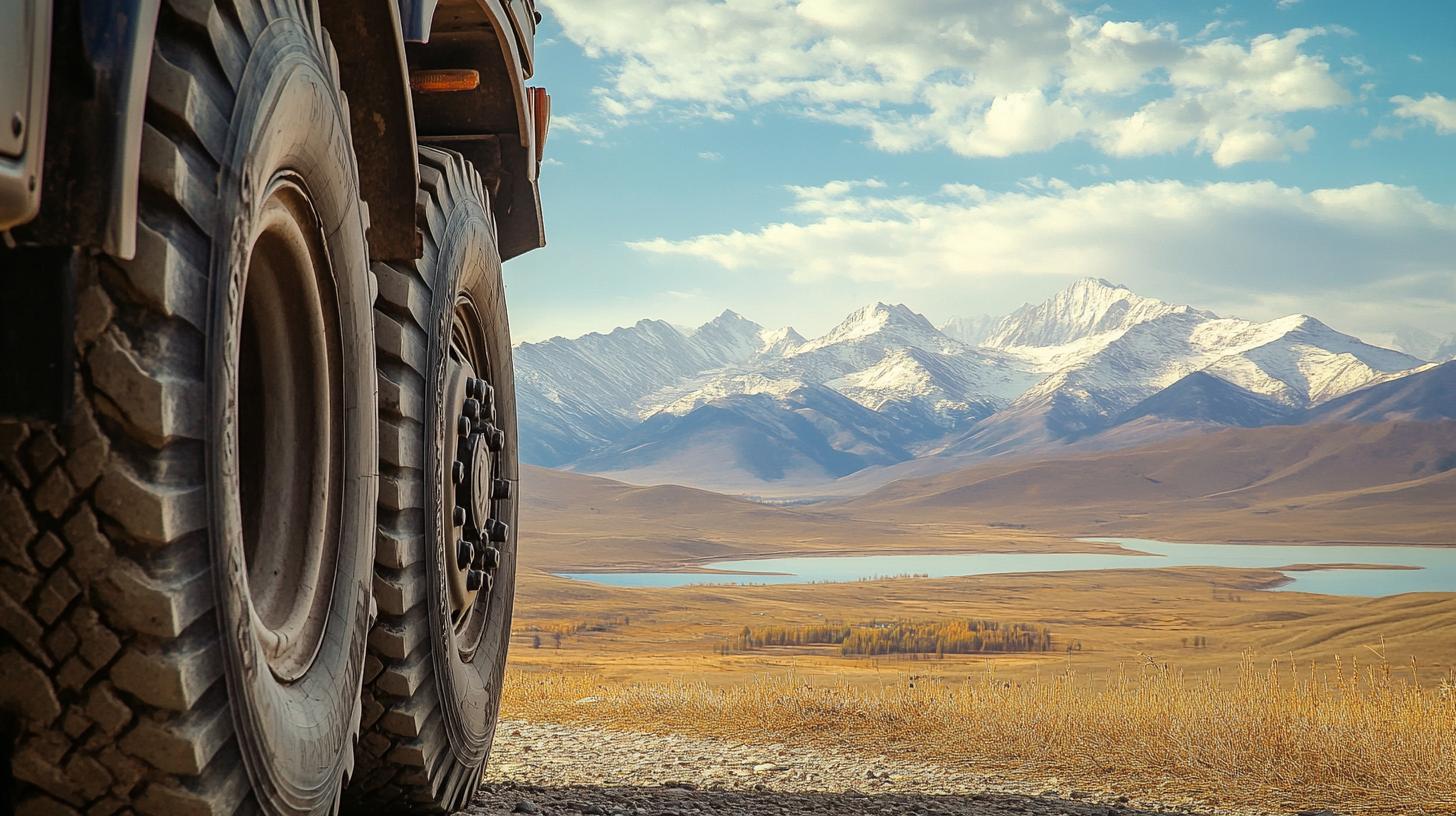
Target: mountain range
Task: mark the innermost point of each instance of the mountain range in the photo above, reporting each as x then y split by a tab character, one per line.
732	405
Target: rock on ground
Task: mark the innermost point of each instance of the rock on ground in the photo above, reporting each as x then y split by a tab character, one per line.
560	769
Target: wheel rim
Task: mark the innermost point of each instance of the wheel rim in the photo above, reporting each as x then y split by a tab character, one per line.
290	430
473	489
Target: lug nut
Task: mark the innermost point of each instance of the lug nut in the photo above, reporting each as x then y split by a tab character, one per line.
490	558
459	516
495	439
487	392
464	554
457	472
463	427
474	580
496	530
472	409
500	489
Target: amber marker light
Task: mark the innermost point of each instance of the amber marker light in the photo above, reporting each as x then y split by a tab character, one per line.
541	108
444	80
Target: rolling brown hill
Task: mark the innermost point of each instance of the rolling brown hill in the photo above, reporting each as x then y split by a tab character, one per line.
1347	482
570	521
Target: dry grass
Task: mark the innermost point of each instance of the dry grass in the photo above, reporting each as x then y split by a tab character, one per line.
1279	737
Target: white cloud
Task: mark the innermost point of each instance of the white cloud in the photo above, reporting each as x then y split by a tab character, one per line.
576	125
1357	64
711	155
1228	101
1379	133
1339	251
1432	109
991	78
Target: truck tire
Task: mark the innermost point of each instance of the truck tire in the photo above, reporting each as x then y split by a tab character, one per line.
447	445
186	562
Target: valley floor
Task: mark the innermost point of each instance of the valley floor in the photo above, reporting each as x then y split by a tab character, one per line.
1199	620
1186	689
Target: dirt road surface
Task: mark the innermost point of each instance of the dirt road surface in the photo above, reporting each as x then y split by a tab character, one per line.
559	769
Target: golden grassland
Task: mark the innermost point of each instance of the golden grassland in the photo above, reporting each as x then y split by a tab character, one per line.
1183	683
1261	716
1119	618
1278	737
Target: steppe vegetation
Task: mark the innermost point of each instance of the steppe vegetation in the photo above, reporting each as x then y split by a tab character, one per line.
939	638
1184	686
1277	736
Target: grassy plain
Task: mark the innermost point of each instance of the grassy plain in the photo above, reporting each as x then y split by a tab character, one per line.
1274	714
1275	739
1120	619
1191	684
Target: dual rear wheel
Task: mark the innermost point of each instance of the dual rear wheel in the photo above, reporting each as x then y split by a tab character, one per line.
289	477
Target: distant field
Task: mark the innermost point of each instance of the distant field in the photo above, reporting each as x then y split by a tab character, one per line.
1184	685
1119	618
1188	683
1277	738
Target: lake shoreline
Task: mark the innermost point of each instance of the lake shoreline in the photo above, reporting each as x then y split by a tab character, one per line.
1302	567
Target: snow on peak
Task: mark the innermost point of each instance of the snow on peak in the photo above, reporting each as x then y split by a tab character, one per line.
894	325
728	339
779	342
1425	345
970	330
1087	308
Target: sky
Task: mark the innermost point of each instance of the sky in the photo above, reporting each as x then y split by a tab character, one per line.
793	160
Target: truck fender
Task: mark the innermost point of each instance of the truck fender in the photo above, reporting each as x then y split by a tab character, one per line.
101	58
368	36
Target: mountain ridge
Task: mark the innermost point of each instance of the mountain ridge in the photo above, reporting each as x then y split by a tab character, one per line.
885	386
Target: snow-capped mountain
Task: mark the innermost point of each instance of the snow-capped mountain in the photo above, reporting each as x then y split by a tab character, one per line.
1089	310
807	434
1294	361
575	396
737	404
1427	346
887	358
972	331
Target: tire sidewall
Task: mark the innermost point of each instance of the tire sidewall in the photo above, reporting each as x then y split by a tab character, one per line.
296	739
469	674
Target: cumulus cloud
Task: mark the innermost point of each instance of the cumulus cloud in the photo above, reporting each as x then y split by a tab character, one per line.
1432	109
1339	251
991	78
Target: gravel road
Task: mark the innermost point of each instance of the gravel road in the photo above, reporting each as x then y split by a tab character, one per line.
556	769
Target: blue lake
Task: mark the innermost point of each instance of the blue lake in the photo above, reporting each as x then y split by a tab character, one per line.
1436	573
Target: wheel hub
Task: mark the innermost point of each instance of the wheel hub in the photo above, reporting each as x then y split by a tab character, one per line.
474	555
291	422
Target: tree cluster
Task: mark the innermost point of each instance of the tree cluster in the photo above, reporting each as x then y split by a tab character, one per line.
900	637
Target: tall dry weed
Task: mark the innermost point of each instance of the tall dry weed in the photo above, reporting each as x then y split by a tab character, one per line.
1360	739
